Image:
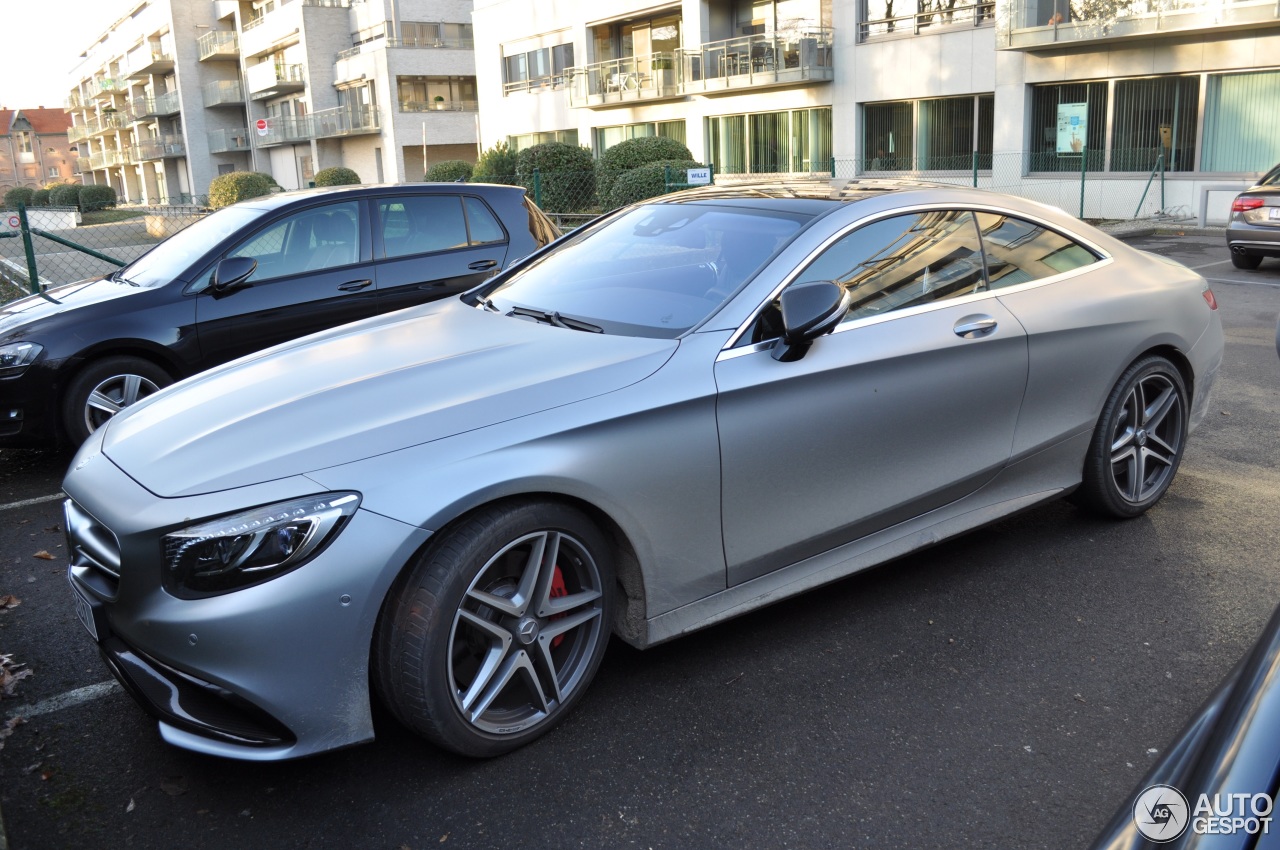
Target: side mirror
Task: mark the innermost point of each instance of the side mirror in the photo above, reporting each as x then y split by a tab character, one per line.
808	312
231	272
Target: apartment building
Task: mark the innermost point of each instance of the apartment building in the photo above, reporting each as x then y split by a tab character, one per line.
34	149
175	93
1022	94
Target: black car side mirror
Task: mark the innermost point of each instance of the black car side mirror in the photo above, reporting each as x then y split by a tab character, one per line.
808	312
231	272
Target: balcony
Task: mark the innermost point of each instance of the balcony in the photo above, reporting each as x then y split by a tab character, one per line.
771	60
108	122
344	121
229	141
646	78
286	129
106	159
72	103
1056	24
440	106
219	44
77	133
157	60
224	93
267	79
926	17
104	87
156	106
164	147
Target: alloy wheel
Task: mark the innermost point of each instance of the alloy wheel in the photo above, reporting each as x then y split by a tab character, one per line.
1147	439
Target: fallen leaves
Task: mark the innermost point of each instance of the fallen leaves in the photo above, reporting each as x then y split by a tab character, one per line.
174	786
11	674
8	602
7	729
45	556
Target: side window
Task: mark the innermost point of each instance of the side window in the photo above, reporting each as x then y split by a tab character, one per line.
420	224
314	239
904	261
481	224
1019	251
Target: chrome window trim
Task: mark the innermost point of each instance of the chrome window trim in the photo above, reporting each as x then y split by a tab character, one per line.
731	349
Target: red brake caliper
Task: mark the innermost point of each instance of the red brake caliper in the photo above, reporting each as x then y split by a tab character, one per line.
557	590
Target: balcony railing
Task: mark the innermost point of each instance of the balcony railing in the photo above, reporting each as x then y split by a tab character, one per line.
108	122
383	42
106	159
801	54
539	84
268	79
652	76
927	17
283	130
77	133
219	44
330	4
439	106
1040	24
104	86
327	123
229	141
156	61
155	106
164	147
223	93
71	103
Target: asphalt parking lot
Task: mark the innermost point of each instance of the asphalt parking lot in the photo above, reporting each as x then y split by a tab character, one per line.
1007	689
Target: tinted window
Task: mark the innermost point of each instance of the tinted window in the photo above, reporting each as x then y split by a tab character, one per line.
903	261
420	224
318	238
174	255
482	226
1019	251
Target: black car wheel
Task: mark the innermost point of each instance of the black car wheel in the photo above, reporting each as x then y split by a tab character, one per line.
1243	260
104	388
1138	442
496	631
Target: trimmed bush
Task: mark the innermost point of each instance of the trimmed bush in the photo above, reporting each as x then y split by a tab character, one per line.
568	180
336	176
96	198
496	165
634	153
449	171
227	189
647	181
40	198
18	195
66	195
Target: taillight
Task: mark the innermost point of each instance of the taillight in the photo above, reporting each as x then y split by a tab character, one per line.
1243	204
1209	299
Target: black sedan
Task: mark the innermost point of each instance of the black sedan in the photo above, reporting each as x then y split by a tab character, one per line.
249	276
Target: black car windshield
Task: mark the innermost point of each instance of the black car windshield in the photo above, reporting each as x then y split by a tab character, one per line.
654	271
175	255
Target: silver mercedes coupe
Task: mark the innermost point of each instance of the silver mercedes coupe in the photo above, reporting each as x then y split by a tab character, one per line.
691	408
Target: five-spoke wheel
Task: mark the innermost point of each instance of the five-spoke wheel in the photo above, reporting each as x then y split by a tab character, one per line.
498	629
104	388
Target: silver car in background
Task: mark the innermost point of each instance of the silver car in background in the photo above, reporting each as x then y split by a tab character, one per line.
688	409
1253	229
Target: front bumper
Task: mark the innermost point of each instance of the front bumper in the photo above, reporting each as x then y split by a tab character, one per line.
29	406
274	671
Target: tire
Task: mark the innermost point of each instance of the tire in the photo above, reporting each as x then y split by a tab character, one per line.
104	388
1132	459
480	647
1246	261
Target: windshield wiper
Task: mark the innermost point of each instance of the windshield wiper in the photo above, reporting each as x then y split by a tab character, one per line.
116	277
554	318
485	302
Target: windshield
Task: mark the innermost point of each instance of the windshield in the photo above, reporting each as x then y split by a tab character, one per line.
175	255
655	271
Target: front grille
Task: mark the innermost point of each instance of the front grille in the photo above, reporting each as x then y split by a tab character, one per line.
93	549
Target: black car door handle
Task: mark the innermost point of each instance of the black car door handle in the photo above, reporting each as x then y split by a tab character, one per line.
482	265
355	285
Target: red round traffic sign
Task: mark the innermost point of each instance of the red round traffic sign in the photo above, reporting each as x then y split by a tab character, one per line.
262	124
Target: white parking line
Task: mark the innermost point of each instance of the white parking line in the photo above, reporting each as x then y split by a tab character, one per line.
1241	282
1206	265
68	700
38	500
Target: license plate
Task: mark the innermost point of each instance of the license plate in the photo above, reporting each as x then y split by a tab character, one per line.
1273	213
84	610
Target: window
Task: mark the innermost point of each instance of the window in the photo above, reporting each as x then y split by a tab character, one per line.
1154	117
607	137
420	93
938	134
1066	122
421	224
311	240
795	141
904	261
528	140
1239	128
539	68
54	172
1019	251
24	142
482	227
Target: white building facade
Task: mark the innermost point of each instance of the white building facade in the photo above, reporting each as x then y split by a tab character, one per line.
175	93
1089	104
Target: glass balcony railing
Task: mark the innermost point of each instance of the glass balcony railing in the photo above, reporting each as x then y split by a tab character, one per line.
163	147
919	17
652	76
107	159
104	87
229	141
286	129
439	106
1037	24
799	54
155	106
72	103
269	79
223	93
344	121
157	60
219	44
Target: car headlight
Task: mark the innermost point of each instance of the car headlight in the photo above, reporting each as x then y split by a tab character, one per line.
15	357
248	548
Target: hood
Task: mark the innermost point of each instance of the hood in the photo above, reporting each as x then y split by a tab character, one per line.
364	389
69	296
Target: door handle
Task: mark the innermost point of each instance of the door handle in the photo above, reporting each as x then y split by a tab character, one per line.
482	265
355	285
972	327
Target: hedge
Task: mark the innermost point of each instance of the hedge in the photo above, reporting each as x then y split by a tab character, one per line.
634	153
227	189
449	171
336	176
40	198
66	195
96	198
18	195
647	181
496	165
567	176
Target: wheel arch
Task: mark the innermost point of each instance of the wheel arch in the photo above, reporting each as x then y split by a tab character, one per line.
1179	361
157	354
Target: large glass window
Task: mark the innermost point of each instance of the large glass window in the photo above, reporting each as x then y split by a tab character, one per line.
607	137
423	94
528	140
1152	117
544	67
939	134
1066	121
797	141
1240	131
